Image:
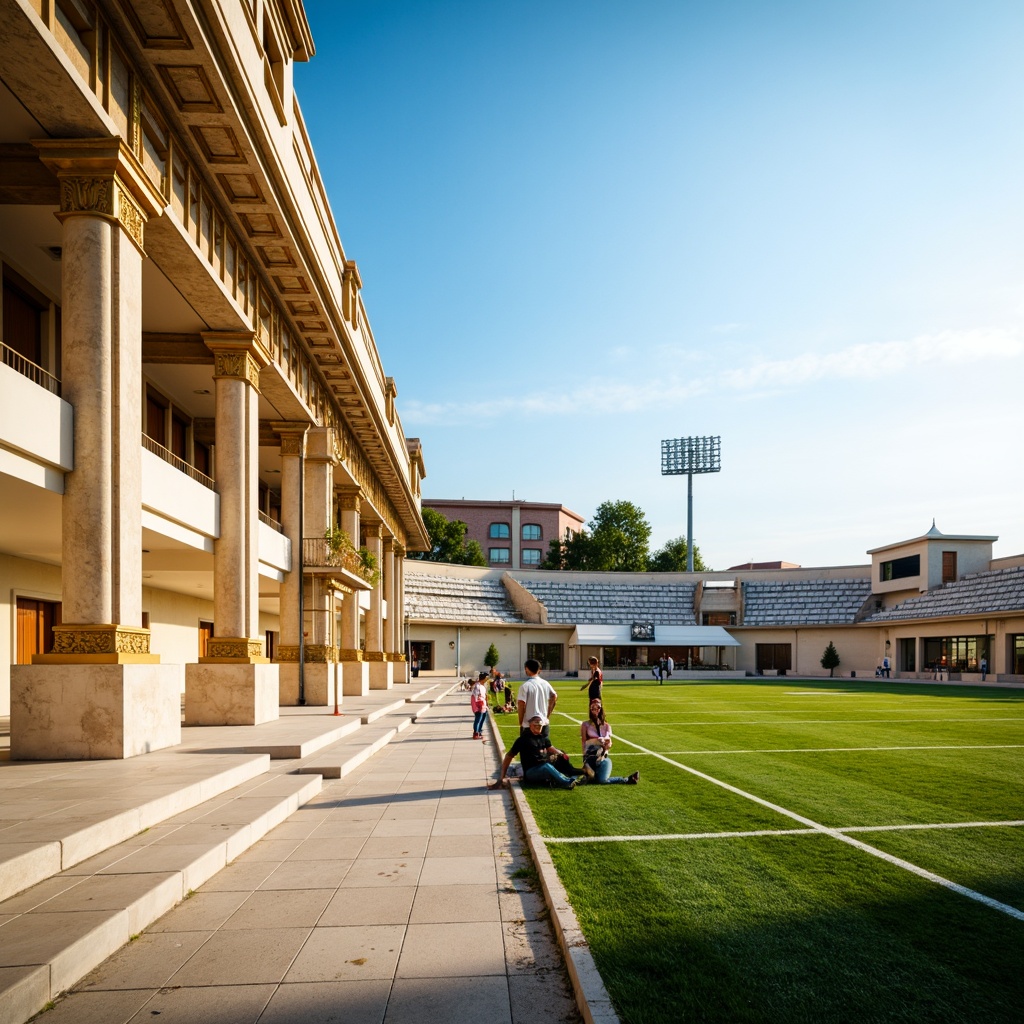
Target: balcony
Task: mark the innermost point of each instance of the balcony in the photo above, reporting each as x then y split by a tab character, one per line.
27	368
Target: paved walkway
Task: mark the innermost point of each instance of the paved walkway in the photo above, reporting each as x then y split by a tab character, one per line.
400	894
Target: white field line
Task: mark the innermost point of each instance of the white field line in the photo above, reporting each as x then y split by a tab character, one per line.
828	721
781	832
843	838
823	693
832	750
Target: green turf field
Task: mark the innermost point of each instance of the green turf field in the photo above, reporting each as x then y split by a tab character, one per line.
799	850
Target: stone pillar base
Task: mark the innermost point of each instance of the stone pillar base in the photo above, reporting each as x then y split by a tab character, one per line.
321	679
381	677
400	671
93	711
231	694
355	676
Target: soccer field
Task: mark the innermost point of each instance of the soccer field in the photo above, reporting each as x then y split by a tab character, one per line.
799	850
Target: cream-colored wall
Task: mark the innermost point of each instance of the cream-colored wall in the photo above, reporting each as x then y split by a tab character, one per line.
511	644
860	649
20	577
174	618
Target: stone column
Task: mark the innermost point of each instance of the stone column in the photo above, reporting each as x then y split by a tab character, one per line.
380	668
388	583
401	670
293	450
354	668
100	693
318	517
235	684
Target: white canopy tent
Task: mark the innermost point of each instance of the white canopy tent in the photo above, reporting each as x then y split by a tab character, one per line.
666	636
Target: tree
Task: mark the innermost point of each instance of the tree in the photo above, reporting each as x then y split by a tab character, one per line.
620	533
672	558
574	553
830	659
448	541
615	541
491	658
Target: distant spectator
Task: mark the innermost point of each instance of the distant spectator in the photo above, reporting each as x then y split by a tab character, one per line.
478	702
595	682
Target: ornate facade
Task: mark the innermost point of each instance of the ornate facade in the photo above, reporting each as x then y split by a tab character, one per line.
191	398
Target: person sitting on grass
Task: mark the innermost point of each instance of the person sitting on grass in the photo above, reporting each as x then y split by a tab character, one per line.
596	740
535	754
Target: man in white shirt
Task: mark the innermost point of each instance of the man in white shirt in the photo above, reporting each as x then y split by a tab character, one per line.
536	696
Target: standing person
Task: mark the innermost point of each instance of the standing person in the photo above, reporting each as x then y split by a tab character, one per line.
478	702
536	696
535	753
662	668
984	668
886	665
596	741
595	682
415	667
670	666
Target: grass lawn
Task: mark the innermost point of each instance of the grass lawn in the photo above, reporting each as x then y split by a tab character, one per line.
693	916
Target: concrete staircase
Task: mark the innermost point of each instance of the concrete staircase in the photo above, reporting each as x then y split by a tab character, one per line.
91	853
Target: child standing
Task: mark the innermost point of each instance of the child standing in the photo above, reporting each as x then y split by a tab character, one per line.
478	702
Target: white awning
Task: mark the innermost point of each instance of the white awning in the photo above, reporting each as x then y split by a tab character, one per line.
666	636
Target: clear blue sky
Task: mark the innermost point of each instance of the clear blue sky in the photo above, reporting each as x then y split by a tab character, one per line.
586	226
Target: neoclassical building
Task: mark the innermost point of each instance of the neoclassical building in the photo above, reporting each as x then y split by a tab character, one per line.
936	605
205	488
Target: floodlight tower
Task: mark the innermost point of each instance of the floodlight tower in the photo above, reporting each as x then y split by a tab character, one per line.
690	455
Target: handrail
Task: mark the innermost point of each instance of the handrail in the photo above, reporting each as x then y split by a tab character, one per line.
17	362
272	523
180	464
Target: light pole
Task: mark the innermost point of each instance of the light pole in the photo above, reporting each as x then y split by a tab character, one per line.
690	455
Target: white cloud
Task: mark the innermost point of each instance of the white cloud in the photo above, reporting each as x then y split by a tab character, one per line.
870	361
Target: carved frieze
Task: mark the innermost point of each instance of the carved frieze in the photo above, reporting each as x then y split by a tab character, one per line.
103	639
243	648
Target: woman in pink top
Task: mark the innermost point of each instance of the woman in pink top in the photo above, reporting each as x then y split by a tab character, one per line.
596	740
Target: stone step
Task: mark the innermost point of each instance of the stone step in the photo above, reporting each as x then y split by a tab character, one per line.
55	815
335	762
55	932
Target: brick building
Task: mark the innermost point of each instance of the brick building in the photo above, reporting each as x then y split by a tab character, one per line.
513	534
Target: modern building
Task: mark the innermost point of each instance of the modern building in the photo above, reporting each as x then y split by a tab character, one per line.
937	606
513	534
197	435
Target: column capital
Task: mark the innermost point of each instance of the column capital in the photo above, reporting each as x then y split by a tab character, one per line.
237	354
400	549
349	498
372	529
293	436
102	178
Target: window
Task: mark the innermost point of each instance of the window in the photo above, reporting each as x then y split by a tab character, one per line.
719	618
499	531
948	566
549	656
774	657
955	653
532	556
422	651
531	531
900	568
907	660
1017	643
156	417
499	555
23	318
205	635
36	620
